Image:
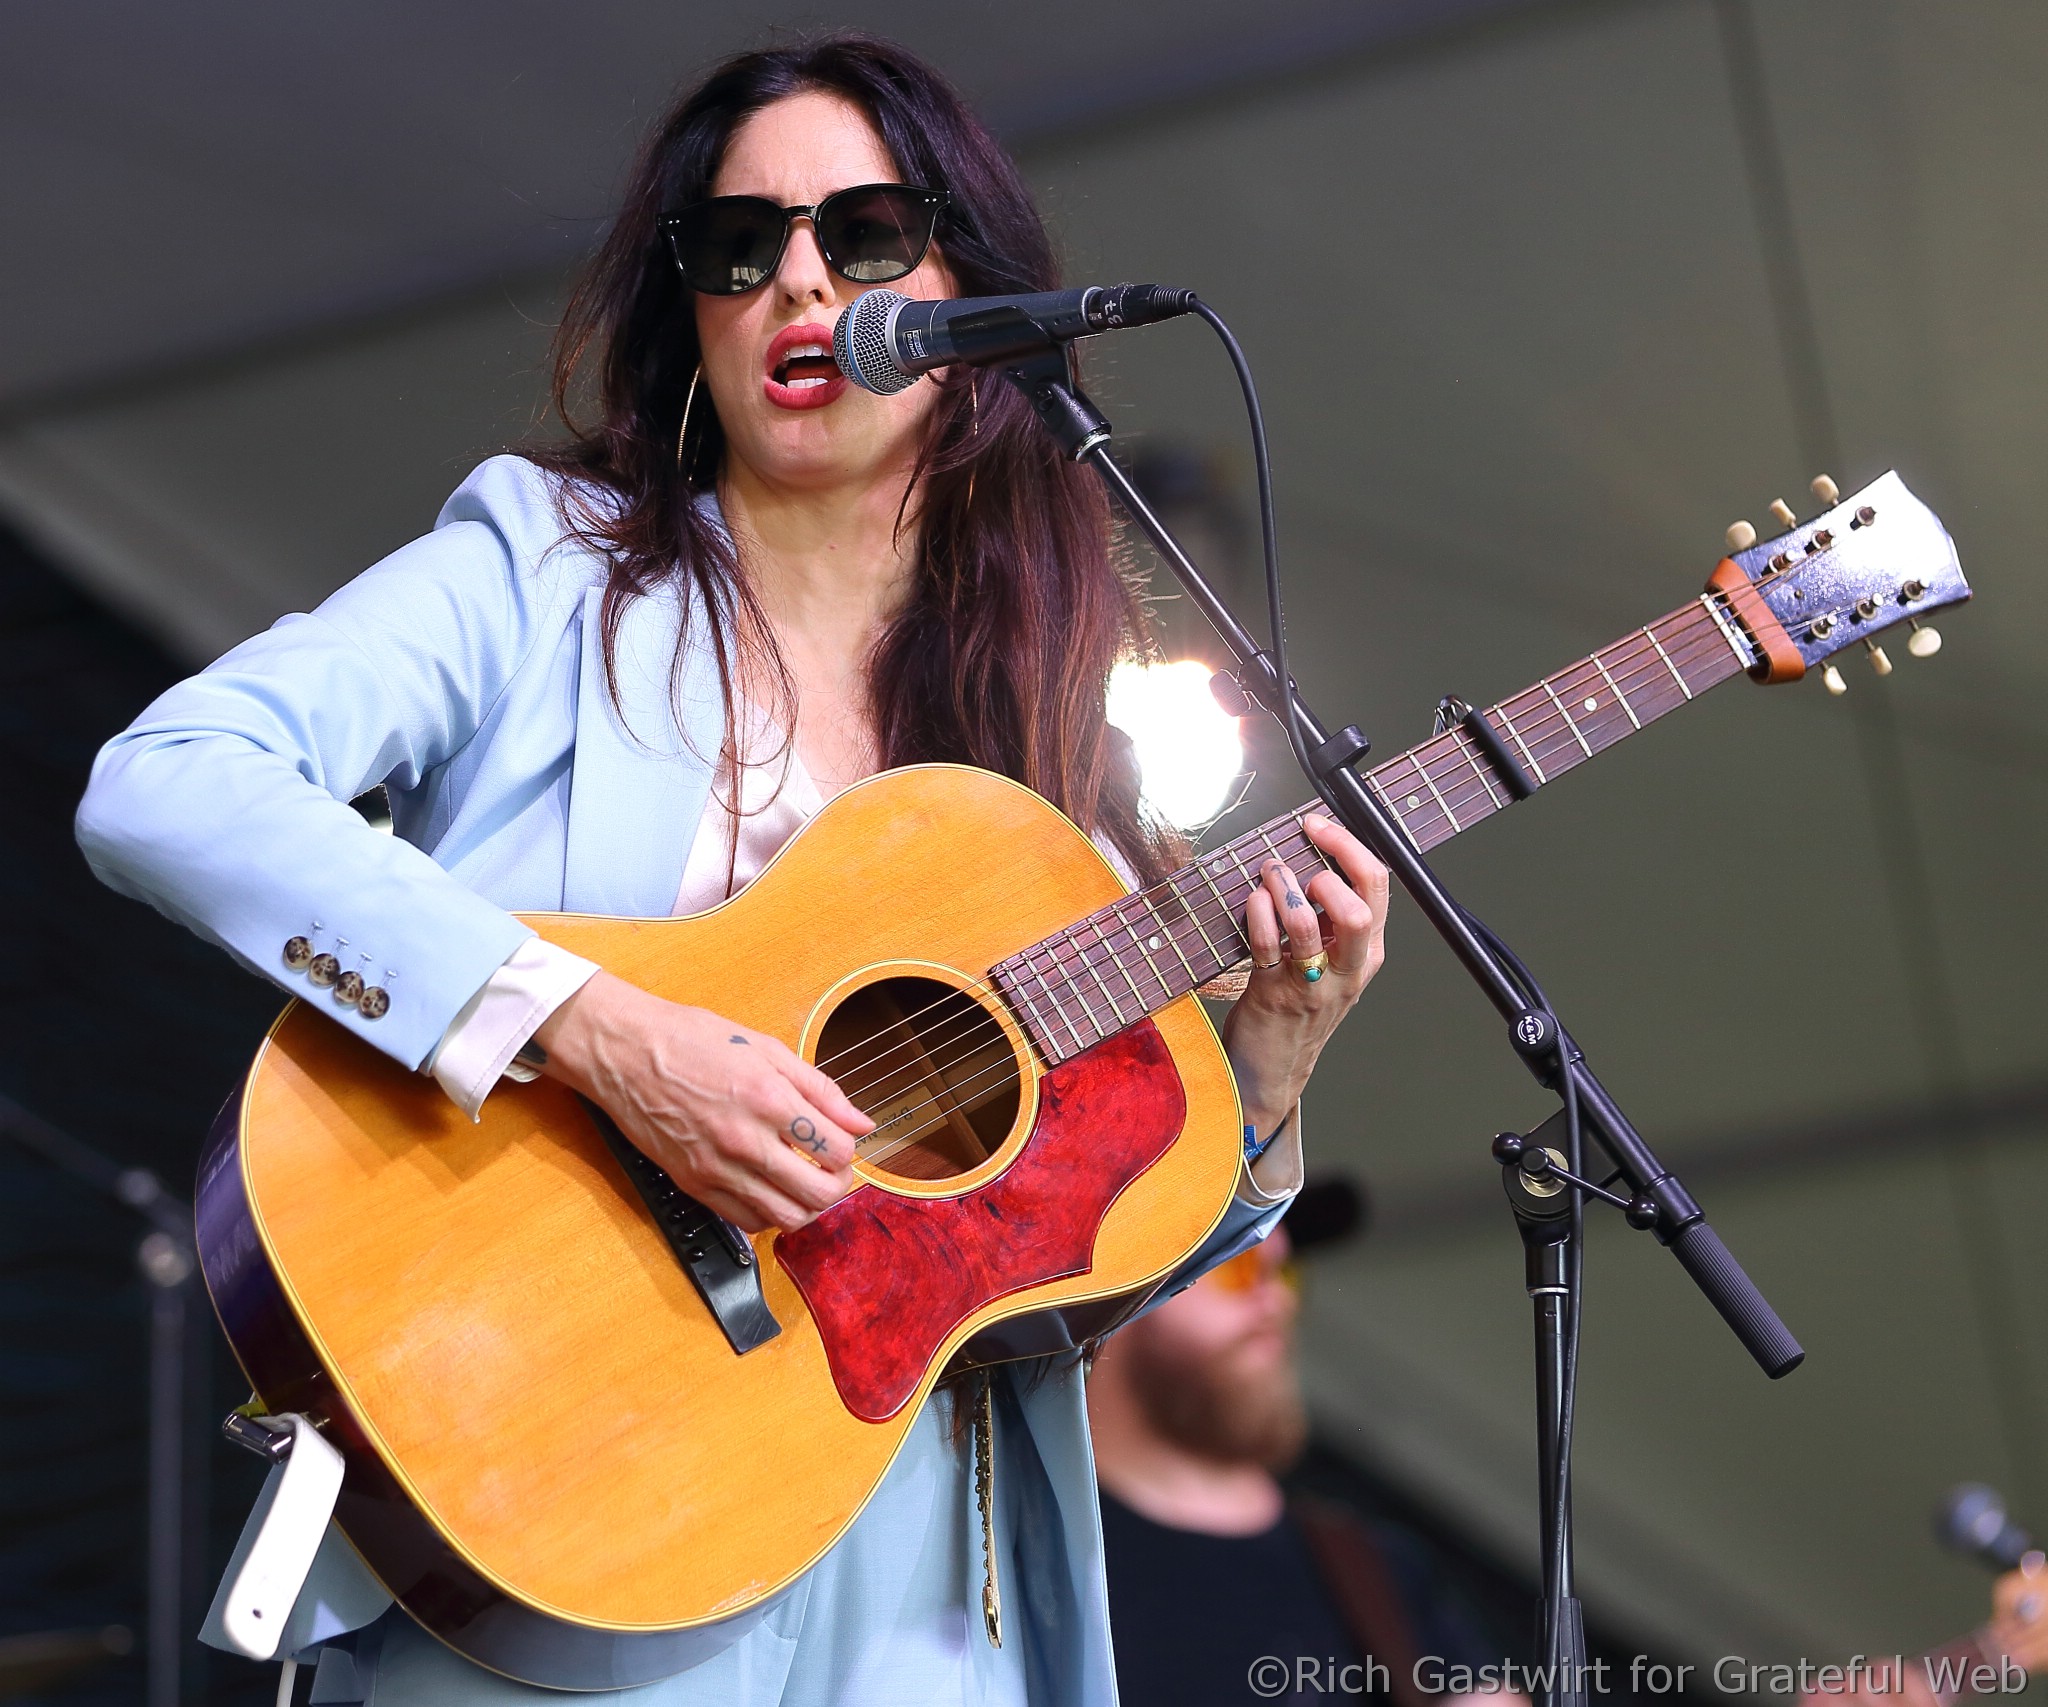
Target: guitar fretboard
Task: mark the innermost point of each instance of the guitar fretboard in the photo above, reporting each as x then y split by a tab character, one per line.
1136	955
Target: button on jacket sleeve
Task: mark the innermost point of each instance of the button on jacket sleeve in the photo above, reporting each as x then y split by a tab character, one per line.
225	805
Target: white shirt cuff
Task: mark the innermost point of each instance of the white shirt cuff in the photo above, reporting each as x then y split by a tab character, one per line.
477	1048
1276	1175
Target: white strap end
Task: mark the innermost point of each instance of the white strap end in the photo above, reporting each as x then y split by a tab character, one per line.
260	1599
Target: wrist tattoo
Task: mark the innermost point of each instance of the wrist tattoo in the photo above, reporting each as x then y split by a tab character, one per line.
736	1038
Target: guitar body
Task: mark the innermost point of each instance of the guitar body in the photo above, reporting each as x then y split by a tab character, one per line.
556	1460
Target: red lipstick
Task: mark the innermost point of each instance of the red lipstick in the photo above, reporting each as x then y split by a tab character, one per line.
800	371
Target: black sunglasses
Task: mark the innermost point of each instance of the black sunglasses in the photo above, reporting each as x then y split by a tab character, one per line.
870	234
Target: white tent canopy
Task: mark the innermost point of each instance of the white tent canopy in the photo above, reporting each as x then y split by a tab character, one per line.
1541	297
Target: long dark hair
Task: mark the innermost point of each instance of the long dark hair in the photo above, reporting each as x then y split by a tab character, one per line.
1019	602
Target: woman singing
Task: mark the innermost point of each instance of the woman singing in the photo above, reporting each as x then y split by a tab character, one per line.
620	673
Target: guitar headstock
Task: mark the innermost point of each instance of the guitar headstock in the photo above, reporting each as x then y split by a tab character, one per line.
1868	563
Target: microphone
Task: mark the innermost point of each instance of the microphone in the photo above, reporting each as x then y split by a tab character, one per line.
1972	1519
885	340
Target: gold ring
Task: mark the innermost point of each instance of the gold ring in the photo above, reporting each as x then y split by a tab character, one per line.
1268	965
1313	966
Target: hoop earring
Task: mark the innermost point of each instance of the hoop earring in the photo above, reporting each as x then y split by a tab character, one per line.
974	429
683	432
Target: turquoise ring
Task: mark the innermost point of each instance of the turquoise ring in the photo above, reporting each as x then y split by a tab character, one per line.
1312	967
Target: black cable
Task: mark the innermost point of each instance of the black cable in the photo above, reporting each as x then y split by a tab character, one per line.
1560	1652
1269	539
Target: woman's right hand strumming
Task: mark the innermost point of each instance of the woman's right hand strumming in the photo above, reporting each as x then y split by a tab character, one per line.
736	1118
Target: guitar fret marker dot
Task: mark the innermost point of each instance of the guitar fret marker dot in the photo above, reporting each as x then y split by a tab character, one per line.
1414	800
1592	704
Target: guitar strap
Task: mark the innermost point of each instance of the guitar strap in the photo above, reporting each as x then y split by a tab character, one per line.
1368	1600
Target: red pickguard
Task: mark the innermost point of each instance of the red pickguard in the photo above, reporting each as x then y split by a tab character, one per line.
888	1277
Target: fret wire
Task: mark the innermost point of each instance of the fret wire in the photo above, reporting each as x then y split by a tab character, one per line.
1165	989
1068	990
1614	687
1569	724
1729	630
1643	663
1166	930
1468	749
1075	993
1650	629
1230	913
1044	1040
1430	783
1265	835
1171	926
1459	795
1394	812
1560	743
1632	656
1082	955
1645	649
1120	911
1193	905
1642	659
1049	1015
1407	801
1580	686
1095	920
1695	639
1200	928
1066	1017
1529	758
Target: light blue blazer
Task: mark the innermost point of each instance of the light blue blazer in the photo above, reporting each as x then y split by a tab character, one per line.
464	673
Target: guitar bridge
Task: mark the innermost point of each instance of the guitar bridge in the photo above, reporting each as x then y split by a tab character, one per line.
713	1252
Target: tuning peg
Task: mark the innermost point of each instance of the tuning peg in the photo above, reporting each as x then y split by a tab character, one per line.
1741	536
1878	661
1826	491
1783	511
1831	679
1925	640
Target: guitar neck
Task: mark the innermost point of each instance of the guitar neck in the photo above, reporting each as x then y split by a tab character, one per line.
1130	959
1445	785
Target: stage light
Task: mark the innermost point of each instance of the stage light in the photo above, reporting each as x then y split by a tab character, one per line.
1188	750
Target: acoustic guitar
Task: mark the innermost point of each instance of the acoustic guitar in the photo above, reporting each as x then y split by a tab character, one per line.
581	1416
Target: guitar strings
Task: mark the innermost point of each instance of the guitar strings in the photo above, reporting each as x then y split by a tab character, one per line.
1548	720
1542	728
1547	726
1545	732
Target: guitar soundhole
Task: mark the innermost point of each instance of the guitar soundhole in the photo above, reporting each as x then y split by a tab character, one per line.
932	1067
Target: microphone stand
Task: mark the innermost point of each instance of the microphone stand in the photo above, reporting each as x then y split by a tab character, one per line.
1656	1200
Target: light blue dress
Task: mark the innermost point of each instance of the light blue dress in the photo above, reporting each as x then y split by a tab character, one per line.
464	673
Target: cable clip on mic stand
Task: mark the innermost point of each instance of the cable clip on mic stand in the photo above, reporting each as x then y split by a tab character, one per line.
1544	1172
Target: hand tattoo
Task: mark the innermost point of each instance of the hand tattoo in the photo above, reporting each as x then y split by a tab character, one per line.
736	1039
806	1134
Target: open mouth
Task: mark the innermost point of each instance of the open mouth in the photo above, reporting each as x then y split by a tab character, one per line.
805	366
800	372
